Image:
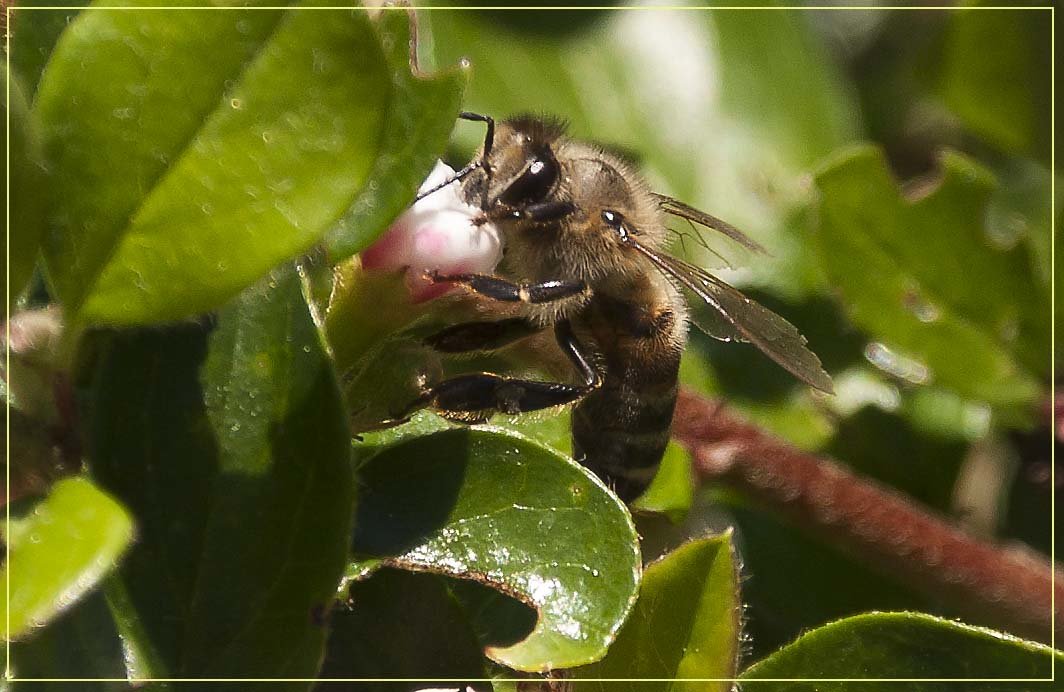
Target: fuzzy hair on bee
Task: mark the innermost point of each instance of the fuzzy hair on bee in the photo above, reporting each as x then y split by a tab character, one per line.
584	255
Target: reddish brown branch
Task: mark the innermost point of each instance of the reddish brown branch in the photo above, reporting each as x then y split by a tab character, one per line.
1005	586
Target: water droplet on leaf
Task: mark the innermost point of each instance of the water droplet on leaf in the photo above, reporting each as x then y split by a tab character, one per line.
896	364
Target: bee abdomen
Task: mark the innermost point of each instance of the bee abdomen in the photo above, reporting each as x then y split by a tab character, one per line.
620	432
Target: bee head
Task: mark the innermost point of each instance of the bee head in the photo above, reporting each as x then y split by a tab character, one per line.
541	180
521	168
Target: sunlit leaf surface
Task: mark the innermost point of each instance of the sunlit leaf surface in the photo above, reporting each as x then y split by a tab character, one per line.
193	150
60	550
685	624
903	645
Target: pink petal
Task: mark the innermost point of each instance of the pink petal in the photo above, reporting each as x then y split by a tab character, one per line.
388	252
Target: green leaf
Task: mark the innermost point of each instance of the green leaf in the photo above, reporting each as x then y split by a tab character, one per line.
28	187
985	52
923	278
402	625
420	115
81	643
194	150
887	646
499	509
685	623
233	452
59	551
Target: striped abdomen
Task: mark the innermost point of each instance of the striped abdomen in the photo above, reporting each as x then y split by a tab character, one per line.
621	429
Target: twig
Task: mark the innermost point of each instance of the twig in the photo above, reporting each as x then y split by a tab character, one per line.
1004	586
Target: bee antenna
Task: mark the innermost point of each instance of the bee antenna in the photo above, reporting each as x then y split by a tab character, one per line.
453	179
489	140
489	136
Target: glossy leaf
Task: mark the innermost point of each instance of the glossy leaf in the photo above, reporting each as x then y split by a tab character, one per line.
685	623
887	646
923	278
59	551
195	149
27	187
499	509
420	114
233	453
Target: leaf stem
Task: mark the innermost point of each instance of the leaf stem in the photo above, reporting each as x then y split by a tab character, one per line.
1008	586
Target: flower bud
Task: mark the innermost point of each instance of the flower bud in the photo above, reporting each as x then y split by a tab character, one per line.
439	232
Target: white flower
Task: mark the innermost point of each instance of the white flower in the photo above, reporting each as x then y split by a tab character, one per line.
437	233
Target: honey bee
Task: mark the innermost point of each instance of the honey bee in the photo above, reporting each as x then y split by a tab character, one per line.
584	238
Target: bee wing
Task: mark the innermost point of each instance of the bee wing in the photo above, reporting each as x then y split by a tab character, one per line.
713	323
686	211
747	319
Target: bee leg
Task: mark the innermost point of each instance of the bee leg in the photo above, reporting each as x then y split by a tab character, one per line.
540	212
474	397
507	291
574	351
481	336
548	211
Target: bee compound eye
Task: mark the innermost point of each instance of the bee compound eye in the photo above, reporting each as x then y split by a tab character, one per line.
535	183
616	222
